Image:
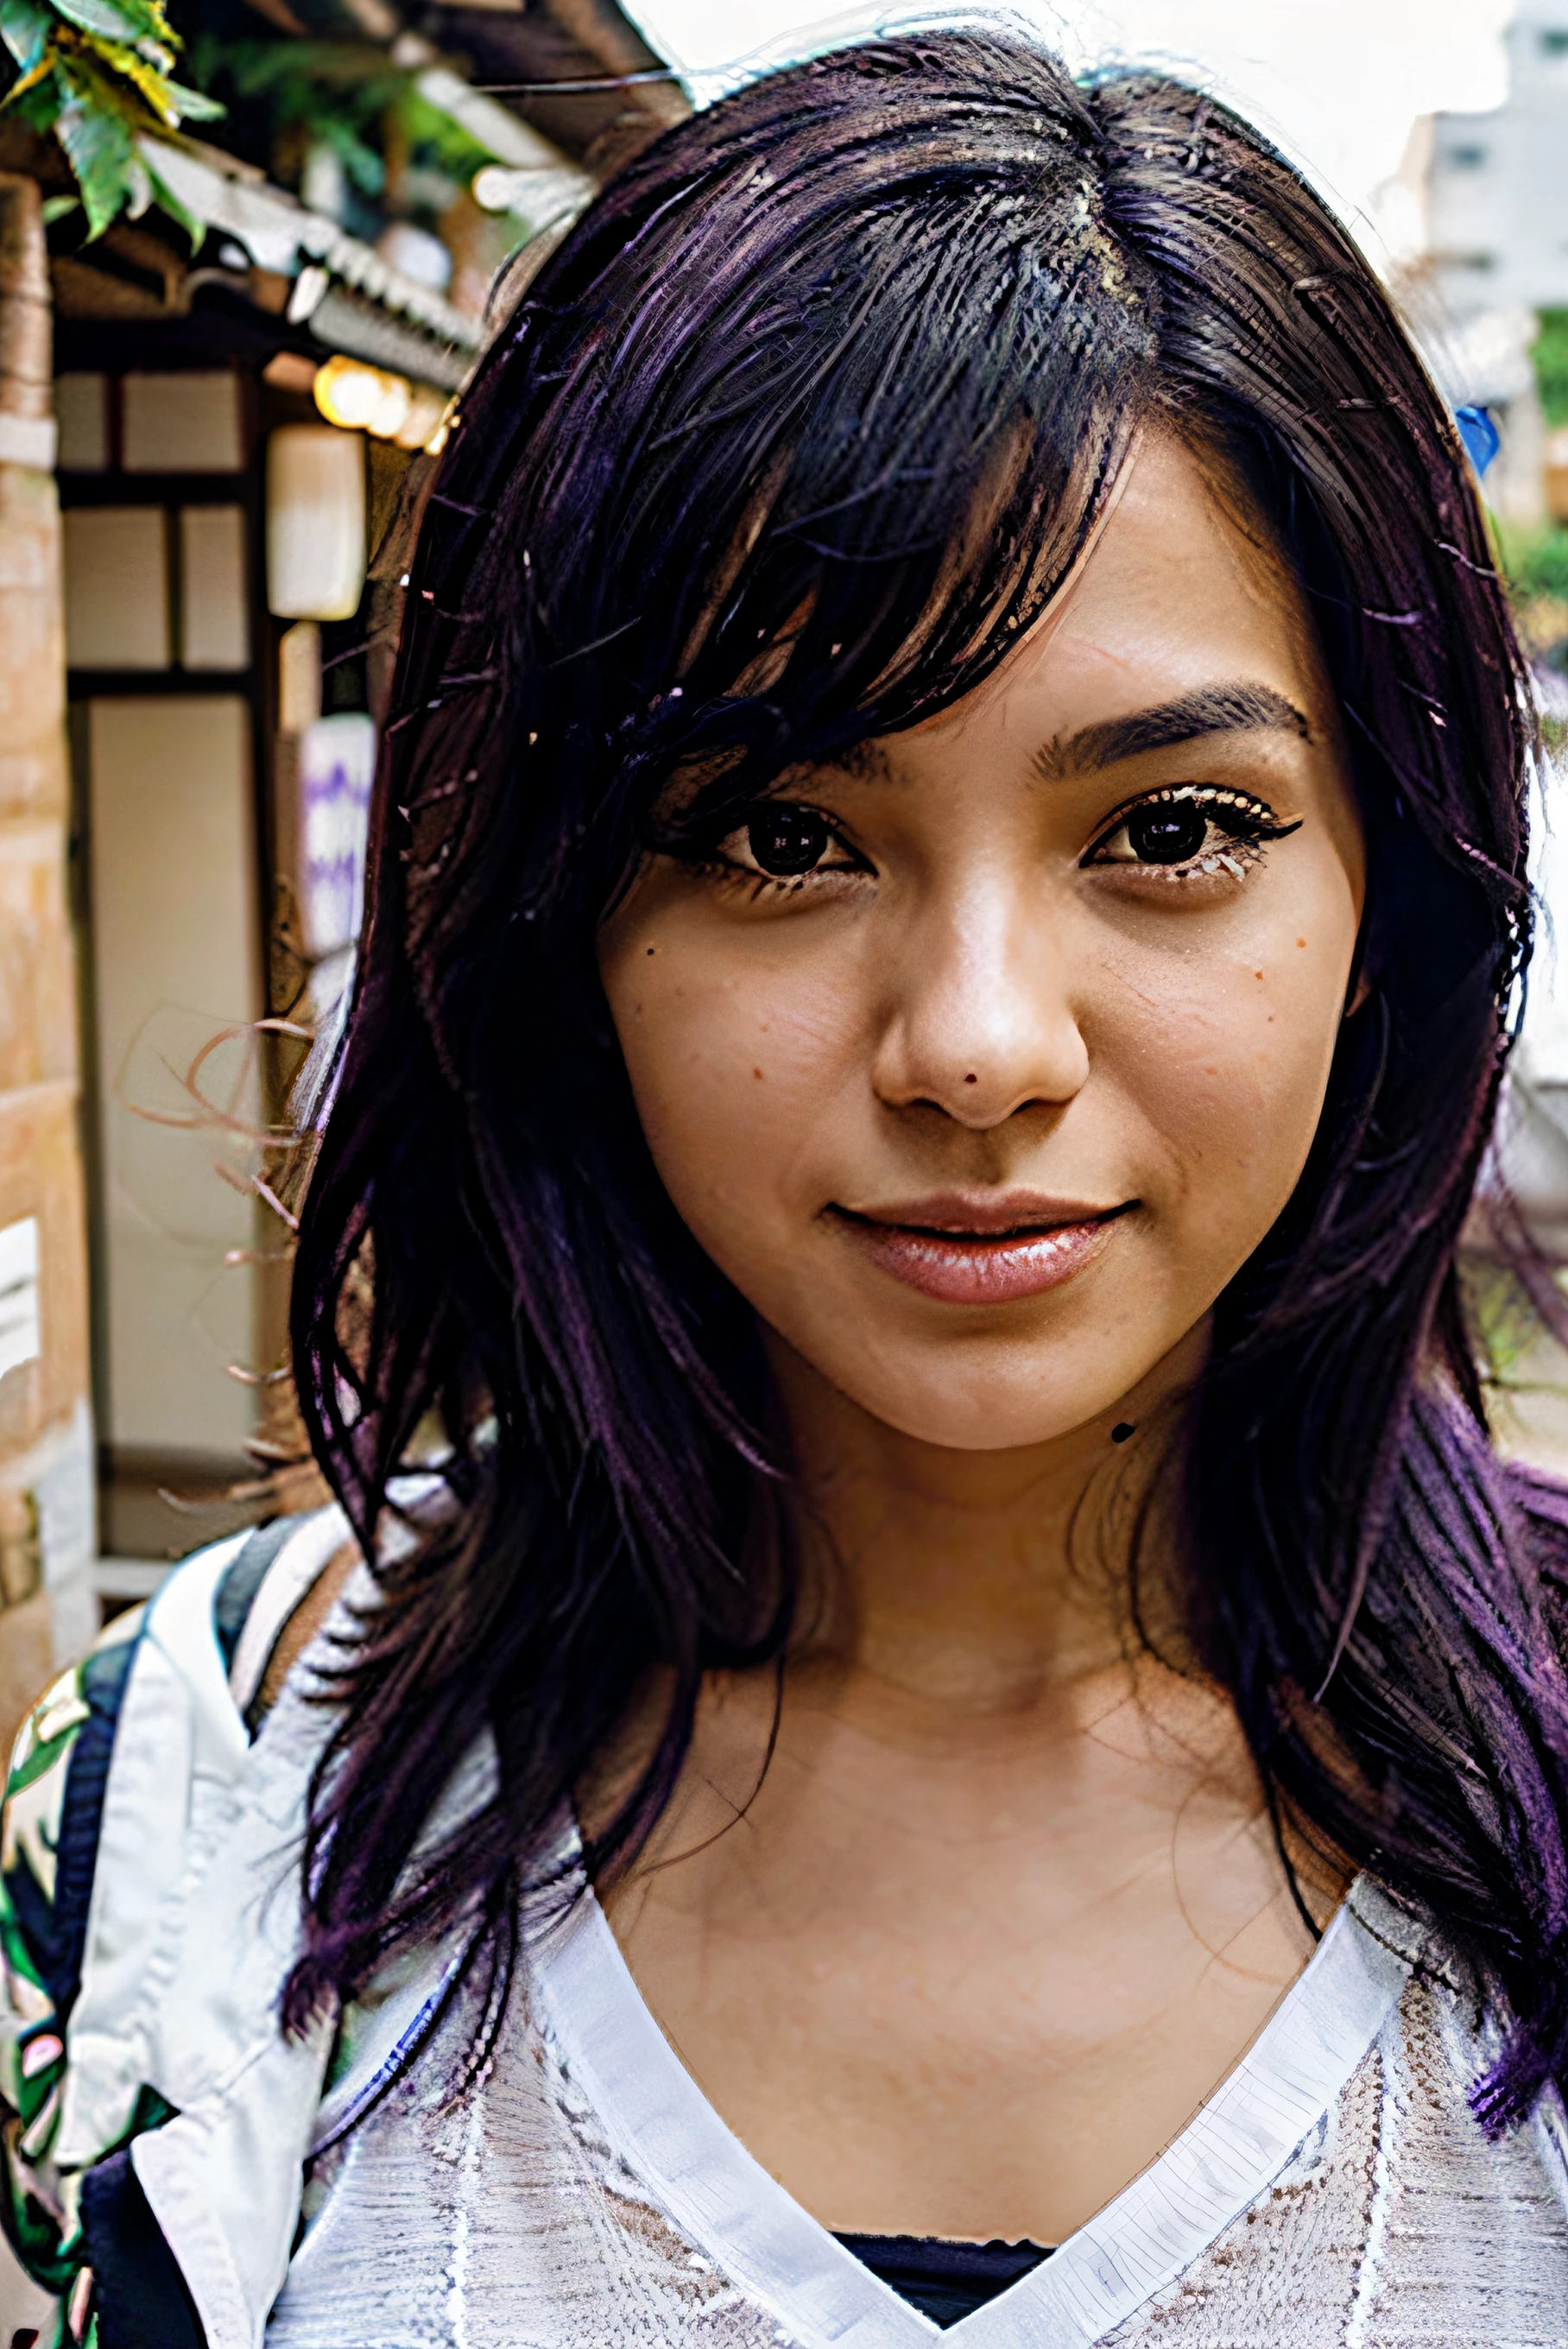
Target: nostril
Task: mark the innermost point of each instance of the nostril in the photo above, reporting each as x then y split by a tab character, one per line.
971	1081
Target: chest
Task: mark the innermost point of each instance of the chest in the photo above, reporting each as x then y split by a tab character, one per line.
971	2034
575	2188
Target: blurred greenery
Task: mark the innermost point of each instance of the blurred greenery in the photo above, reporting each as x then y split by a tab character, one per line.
291	94
1503	1318
1535	562
1550	356
333	91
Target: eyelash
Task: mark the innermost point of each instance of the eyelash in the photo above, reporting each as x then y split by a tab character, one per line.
712	861
1247	822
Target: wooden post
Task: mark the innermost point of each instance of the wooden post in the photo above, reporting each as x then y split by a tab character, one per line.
48	1535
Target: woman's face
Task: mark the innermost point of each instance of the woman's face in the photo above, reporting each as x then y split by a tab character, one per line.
981	1063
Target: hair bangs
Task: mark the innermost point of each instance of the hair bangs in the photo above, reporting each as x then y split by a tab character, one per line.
811	446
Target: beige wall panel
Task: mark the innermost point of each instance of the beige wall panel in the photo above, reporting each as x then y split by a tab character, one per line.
185	423
176	958
214	607
117	587
81	412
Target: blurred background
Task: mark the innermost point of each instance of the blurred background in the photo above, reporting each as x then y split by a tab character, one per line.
249	251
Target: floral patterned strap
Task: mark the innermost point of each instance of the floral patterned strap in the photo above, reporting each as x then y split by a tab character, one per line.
48	1847
48	1850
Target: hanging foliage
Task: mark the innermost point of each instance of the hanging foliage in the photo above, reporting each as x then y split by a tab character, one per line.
347	95
99	74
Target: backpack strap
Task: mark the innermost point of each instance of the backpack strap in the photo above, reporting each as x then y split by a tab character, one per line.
48	1853
259	1596
139	2300
237	1592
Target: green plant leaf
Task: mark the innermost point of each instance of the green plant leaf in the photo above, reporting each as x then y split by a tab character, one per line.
152	31
24	27
36	101
446	143
181	215
54	208
192	106
91	75
364	166
96	141
100	16
165	101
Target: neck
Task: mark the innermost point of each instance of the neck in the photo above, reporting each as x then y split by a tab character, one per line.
978	1582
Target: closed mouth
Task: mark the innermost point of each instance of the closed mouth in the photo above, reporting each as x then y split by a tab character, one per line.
970	1252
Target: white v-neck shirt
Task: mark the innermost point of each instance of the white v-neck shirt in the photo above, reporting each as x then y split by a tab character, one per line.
515	2158
578	2189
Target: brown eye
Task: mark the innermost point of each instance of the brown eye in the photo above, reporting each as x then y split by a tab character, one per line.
1167	834
1198	830
787	841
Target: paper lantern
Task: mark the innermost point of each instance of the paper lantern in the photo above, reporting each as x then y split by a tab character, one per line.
336	769
315	522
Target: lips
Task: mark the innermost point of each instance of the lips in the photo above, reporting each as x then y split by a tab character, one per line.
981	1250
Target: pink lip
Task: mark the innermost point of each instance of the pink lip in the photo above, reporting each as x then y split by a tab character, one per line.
982	1251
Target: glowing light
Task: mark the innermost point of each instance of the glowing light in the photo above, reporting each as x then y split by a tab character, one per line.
443	431
360	399
426	414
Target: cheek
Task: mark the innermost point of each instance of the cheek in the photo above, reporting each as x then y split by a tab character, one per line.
741	1077
1228	1058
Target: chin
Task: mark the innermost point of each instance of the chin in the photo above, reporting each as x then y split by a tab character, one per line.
1012	1412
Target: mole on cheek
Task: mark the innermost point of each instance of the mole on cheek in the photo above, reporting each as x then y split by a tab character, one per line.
1301	942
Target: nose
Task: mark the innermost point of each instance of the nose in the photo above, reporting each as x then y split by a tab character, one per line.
981	1019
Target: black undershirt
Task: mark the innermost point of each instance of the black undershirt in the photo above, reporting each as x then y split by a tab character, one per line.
944	2281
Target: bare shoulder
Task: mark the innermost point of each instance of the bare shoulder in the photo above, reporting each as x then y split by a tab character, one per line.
304	1622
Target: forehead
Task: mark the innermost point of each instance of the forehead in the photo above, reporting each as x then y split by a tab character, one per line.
1181	590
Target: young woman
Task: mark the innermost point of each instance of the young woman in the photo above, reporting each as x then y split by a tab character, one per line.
951	1721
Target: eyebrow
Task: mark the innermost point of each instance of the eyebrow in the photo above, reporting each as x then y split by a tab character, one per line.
1234	708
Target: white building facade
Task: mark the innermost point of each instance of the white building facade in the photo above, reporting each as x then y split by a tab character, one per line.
1497	239
1498	203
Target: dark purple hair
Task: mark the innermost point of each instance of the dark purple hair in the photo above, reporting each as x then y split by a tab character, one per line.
840	371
